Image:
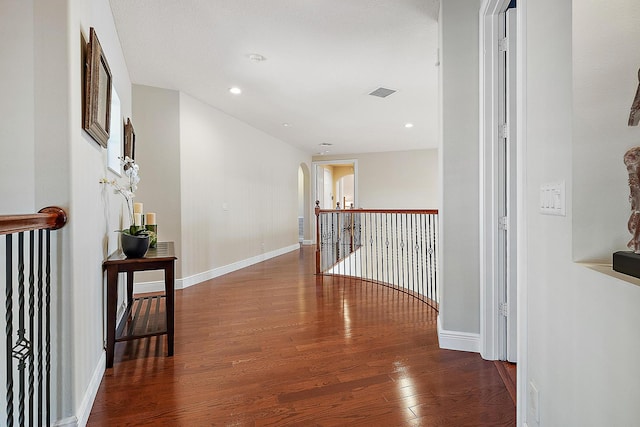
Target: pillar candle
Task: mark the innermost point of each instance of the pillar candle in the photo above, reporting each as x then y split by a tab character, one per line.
137	208
150	218
137	219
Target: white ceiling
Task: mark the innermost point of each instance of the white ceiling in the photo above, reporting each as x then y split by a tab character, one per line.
323	59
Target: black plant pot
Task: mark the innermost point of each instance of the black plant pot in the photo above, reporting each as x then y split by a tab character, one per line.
134	246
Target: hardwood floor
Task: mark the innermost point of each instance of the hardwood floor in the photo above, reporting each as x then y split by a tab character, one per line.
272	345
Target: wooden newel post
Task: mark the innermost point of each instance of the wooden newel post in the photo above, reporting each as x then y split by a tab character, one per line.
317	236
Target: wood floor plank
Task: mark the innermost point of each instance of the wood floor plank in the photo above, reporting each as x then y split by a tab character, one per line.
274	345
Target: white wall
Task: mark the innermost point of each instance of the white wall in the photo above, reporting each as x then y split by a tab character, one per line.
459	209
94	211
603	90
239	189
16	107
582	329
53	161
156	122
395	179
224	192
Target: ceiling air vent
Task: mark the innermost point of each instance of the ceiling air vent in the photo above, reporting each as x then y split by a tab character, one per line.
382	92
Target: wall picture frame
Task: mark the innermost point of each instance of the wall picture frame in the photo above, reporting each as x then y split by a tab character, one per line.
129	140
97	100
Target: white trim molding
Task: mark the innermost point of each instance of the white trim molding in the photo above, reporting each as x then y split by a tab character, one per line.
489	119
82	416
522	367
66	422
158	286
454	340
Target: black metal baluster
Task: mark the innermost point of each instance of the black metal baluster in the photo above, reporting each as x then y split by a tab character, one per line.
373	247
31	315
48	328
435	260
40	317
380	256
335	238
424	246
17	349
431	259
388	252
402	245
370	254
414	262
360	245
9	326
394	245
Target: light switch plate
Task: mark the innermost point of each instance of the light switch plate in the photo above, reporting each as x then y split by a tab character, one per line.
552	199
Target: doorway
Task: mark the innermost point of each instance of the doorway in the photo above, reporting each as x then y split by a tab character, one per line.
499	177
336	183
304	205
493	108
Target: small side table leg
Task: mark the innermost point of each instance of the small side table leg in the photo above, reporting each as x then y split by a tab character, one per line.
169	285
129	288
112	297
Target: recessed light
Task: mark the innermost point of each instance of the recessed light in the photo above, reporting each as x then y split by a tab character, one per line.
256	57
286	125
235	90
325	144
408	125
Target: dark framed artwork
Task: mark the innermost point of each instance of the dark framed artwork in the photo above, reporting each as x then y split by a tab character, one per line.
129	140
97	102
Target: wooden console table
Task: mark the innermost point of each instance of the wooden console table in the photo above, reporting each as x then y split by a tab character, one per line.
147	319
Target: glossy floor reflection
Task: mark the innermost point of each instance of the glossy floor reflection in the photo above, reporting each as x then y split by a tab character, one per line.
273	345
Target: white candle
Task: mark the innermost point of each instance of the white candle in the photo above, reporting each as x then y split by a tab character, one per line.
150	218
137	219
137	208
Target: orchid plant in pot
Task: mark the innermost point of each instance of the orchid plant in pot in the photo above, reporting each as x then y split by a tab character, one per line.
134	239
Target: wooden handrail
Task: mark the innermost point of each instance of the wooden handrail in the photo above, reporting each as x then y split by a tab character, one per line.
51	218
402	211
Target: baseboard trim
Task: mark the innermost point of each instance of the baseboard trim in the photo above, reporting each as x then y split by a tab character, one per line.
307	242
158	286
92	390
82	416
460	341
66	422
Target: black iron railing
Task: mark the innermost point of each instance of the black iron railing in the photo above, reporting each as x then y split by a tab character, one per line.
397	248
27	322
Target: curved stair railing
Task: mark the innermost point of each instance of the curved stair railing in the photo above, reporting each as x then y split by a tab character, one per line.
396	248
27	322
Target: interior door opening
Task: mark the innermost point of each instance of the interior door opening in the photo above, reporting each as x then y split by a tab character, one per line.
506	193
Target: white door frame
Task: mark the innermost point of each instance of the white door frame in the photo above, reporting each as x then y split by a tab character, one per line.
489	117
344	162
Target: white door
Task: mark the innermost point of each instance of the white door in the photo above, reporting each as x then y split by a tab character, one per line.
507	197
320	185
328	190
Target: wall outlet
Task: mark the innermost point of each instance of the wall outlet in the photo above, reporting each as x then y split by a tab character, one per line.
533	418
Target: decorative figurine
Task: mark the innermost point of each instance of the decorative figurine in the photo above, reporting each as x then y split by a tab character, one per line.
634	115
632	161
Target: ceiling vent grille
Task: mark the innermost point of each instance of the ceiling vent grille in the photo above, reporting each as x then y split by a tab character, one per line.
382	92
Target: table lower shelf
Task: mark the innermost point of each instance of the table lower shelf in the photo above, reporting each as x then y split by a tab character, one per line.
145	317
